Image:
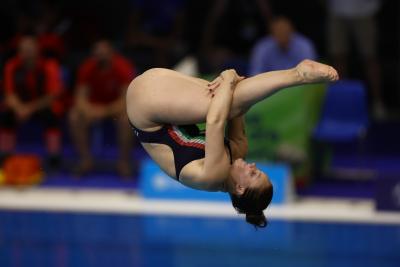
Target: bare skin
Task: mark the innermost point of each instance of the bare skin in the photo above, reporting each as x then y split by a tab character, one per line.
161	96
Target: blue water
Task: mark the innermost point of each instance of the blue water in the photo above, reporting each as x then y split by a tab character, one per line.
70	239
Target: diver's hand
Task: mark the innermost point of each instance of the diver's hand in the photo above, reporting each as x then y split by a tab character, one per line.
230	76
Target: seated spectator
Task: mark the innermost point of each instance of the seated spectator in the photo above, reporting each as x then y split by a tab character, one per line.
100	94
283	49
31	85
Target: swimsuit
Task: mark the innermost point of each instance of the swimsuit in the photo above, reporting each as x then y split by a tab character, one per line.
187	142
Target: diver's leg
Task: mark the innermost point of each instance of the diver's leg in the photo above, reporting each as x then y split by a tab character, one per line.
177	99
254	89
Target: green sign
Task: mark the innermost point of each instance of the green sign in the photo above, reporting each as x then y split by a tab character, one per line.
280	127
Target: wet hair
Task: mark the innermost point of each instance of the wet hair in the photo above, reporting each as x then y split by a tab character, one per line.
252	203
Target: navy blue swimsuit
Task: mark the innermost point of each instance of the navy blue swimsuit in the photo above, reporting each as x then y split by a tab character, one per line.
187	142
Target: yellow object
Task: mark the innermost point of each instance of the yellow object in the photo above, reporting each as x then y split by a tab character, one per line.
22	170
2	180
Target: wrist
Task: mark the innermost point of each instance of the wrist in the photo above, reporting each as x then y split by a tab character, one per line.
296	75
229	83
215	120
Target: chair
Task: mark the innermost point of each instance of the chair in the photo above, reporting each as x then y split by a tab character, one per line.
344	114
344	120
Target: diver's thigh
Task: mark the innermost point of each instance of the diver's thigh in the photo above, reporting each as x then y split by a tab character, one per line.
169	99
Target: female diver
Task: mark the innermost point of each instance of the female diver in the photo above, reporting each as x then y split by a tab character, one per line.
163	107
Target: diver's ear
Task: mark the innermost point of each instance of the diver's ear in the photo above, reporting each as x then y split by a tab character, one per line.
239	189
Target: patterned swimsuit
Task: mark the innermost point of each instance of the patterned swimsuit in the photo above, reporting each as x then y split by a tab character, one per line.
186	141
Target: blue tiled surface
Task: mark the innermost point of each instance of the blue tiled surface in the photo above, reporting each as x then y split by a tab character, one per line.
69	239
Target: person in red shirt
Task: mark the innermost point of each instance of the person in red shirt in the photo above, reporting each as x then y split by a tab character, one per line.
32	85
100	94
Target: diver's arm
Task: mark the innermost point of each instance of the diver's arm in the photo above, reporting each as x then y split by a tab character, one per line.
216	161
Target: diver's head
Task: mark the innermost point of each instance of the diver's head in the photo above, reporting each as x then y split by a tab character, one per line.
250	191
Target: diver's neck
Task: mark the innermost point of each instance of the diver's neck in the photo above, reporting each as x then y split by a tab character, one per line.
227	185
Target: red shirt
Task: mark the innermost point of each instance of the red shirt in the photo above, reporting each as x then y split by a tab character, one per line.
105	84
28	84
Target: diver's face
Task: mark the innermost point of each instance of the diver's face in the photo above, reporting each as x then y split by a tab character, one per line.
248	175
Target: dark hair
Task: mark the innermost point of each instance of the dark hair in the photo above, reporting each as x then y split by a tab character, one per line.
252	203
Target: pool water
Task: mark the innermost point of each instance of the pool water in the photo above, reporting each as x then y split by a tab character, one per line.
77	239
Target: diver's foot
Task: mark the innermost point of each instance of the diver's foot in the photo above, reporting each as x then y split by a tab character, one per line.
311	71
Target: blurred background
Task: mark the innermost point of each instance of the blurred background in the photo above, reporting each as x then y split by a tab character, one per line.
77	189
